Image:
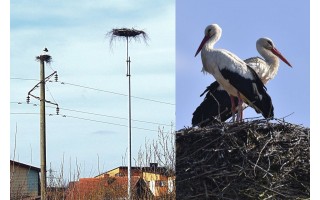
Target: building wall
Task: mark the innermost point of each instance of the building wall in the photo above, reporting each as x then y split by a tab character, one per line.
157	183
152	186
24	182
121	171
171	184
113	173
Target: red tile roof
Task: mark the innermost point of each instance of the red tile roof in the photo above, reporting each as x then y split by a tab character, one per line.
93	187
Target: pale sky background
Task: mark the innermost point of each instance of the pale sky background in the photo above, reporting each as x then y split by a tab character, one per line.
243	22
95	127
71	32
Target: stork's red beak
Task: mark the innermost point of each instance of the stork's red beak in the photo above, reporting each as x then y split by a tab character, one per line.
204	40
277	53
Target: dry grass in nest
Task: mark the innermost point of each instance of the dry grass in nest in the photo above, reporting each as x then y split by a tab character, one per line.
251	160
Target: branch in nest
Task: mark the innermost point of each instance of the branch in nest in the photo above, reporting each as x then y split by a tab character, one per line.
258	159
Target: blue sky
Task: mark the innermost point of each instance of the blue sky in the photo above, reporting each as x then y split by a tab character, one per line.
243	22
95	124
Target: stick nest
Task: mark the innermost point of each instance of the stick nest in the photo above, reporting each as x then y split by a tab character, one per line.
45	58
127	33
251	160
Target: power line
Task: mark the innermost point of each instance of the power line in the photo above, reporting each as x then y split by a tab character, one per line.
110	123
25	79
21	113
121	94
45	79
86	119
101	90
97	114
111	116
50	94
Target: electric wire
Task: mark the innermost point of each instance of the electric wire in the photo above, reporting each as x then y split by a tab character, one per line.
91	113
50	94
86	119
97	114
100	90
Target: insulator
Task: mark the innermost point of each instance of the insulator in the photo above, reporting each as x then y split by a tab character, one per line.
56	77
28	99
57	110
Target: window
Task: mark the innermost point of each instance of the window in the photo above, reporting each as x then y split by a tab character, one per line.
161	183
119	174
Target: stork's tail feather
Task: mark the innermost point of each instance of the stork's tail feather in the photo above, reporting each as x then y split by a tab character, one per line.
211	88
215	106
263	105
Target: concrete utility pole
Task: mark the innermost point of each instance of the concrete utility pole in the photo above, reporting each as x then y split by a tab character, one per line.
43	133
43	58
43	160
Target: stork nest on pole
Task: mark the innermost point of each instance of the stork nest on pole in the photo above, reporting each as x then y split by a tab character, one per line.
46	58
251	160
127	33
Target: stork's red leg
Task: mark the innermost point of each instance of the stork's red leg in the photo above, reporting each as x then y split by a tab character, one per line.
240	109
233	108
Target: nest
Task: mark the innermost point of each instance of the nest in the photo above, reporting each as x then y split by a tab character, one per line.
46	58
252	160
127	33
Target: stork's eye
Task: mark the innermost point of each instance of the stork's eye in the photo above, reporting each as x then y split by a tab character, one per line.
269	42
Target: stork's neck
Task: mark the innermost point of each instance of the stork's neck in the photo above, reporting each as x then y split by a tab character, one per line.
271	60
207	48
209	45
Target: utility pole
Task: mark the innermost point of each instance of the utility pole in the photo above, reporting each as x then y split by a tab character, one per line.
43	160
43	58
127	34
129	123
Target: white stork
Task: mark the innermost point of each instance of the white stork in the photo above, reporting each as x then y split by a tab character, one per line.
216	104
234	75
44	51
266	69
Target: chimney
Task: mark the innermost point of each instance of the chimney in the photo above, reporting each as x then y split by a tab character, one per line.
153	166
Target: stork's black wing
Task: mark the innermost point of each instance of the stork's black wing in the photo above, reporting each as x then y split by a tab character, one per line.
253	90
216	106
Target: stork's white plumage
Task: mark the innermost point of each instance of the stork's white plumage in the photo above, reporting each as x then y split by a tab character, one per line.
44	51
233	74
217	105
266	68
